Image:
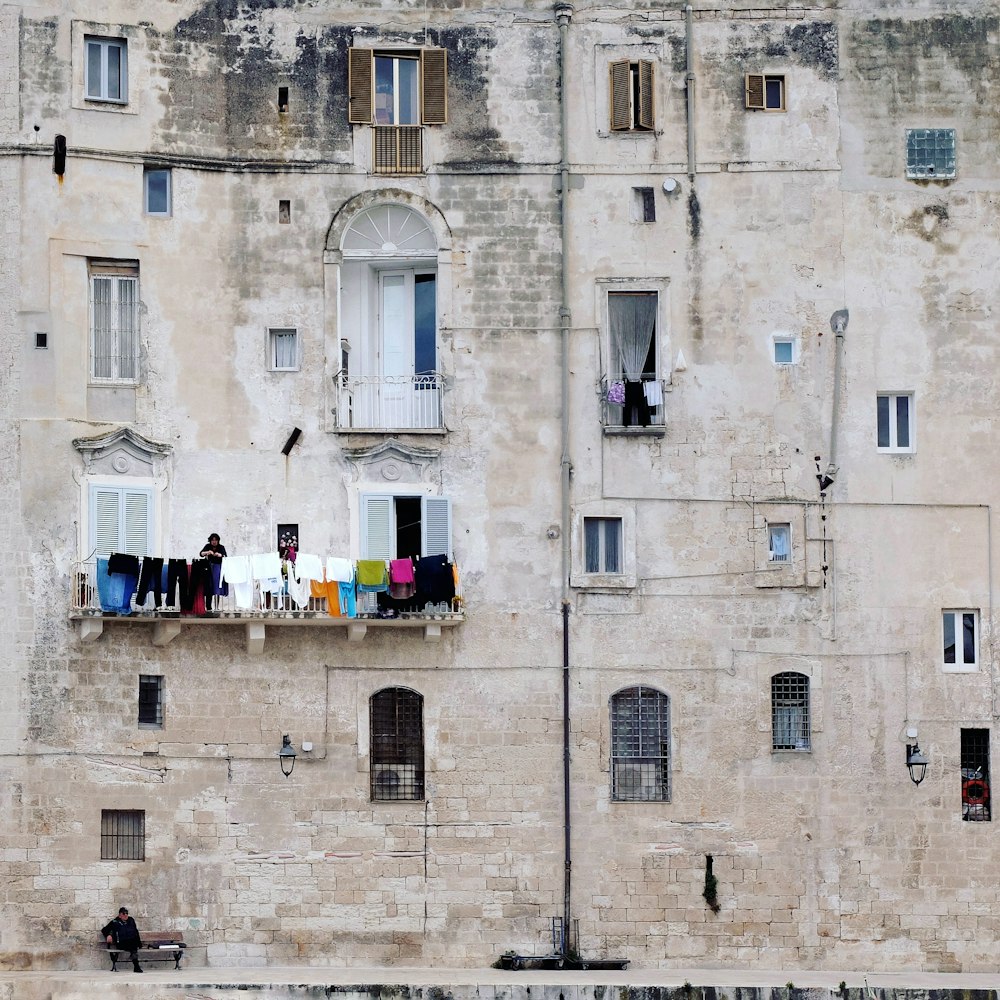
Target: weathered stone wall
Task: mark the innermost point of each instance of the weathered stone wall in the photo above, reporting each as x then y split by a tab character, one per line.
827	859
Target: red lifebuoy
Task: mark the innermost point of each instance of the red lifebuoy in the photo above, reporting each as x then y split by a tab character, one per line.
975	792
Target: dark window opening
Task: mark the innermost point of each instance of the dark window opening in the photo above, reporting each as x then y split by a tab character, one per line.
408	529
282	99
41	341
284	212
288	535
976	775
123	835
151	701
643	205
397	751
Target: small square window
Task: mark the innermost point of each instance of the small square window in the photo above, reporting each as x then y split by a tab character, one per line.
123	835
284	211
930	153
779	543
283	350
765	92
894	420
150	701
41	341
106	69
961	640
784	352
157	193
602	542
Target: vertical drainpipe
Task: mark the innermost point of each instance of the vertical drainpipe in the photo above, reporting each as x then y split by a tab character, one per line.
689	86
564	14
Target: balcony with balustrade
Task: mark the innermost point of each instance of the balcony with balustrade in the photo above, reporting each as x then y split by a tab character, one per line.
390	402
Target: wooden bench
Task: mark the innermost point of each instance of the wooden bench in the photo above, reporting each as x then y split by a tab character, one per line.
157	946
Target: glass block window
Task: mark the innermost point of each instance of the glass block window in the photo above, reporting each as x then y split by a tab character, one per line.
930	152
976	775
790	711
397	754
123	835
640	746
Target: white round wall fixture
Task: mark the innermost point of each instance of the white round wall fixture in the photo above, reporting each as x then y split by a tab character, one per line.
670	185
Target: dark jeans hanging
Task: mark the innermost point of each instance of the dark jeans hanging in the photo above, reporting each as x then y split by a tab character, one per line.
177	576
636	411
150	576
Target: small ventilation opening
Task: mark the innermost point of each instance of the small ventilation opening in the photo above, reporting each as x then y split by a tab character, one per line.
643	205
284	212
41	341
283	99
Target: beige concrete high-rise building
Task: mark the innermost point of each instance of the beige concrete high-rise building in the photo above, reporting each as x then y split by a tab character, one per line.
661	339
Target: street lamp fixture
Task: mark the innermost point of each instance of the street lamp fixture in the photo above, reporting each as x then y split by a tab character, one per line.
916	763
286	756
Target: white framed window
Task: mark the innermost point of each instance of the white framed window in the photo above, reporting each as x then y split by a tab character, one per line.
779	543
394	526
121	520
784	351
633	390
960	640
765	91
632	100
894	421
157	191
930	153
106	69
283	349
602	545
114	321
790	726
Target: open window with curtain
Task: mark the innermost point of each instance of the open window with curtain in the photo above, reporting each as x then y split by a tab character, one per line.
633	391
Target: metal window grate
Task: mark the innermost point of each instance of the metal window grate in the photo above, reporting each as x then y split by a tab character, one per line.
397	756
640	746
790	729
123	835
150	700
976	775
930	152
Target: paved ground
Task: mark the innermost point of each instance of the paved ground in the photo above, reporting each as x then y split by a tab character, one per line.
81	983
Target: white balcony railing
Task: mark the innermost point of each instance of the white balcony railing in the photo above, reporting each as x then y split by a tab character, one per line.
650	412
390	402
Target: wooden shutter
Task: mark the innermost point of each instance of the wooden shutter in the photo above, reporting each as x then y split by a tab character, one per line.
434	86
755	91
435	527
376	526
360	86
621	117
645	111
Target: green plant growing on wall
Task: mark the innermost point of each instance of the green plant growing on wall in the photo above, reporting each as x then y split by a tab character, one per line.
711	890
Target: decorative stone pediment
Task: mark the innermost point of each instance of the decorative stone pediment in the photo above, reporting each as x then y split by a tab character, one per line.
123	453
393	462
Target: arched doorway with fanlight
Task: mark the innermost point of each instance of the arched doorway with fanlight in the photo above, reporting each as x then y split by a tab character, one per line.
388	317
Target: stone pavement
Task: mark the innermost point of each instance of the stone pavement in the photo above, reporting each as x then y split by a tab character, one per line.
298	983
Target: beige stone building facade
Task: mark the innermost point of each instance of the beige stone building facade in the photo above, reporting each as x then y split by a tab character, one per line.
671	328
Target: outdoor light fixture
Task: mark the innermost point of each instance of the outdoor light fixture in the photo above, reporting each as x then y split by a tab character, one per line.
286	756
916	763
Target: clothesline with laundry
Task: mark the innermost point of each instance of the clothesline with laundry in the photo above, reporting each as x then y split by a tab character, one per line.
264	581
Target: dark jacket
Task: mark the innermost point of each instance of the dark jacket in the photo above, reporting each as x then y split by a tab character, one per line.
124	934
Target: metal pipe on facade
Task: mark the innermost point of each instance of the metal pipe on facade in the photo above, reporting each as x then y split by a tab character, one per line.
689	86
838	323
564	14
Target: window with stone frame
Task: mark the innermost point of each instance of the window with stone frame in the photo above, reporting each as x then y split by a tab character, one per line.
106	69
640	745
632	95
975	767
790	722
397	745
114	321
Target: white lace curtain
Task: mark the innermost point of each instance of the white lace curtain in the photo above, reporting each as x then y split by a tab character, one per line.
632	319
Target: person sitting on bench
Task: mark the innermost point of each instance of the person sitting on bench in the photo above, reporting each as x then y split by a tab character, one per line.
122	933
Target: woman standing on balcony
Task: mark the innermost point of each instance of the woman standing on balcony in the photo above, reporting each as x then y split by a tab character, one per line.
213	553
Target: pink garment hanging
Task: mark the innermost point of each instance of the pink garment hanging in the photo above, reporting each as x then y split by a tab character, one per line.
401	581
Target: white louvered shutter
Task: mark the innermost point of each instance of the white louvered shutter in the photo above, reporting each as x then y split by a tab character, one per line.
105	506
435	527
376	526
137	522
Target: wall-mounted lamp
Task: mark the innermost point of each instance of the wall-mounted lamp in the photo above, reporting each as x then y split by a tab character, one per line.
286	756
292	438
916	763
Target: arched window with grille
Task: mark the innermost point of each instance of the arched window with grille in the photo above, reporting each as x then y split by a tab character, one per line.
397	745
790	727
640	745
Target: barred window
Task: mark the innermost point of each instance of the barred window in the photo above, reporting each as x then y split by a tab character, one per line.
790	729
123	835
150	701
640	746
397	750
930	153
114	321
976	775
